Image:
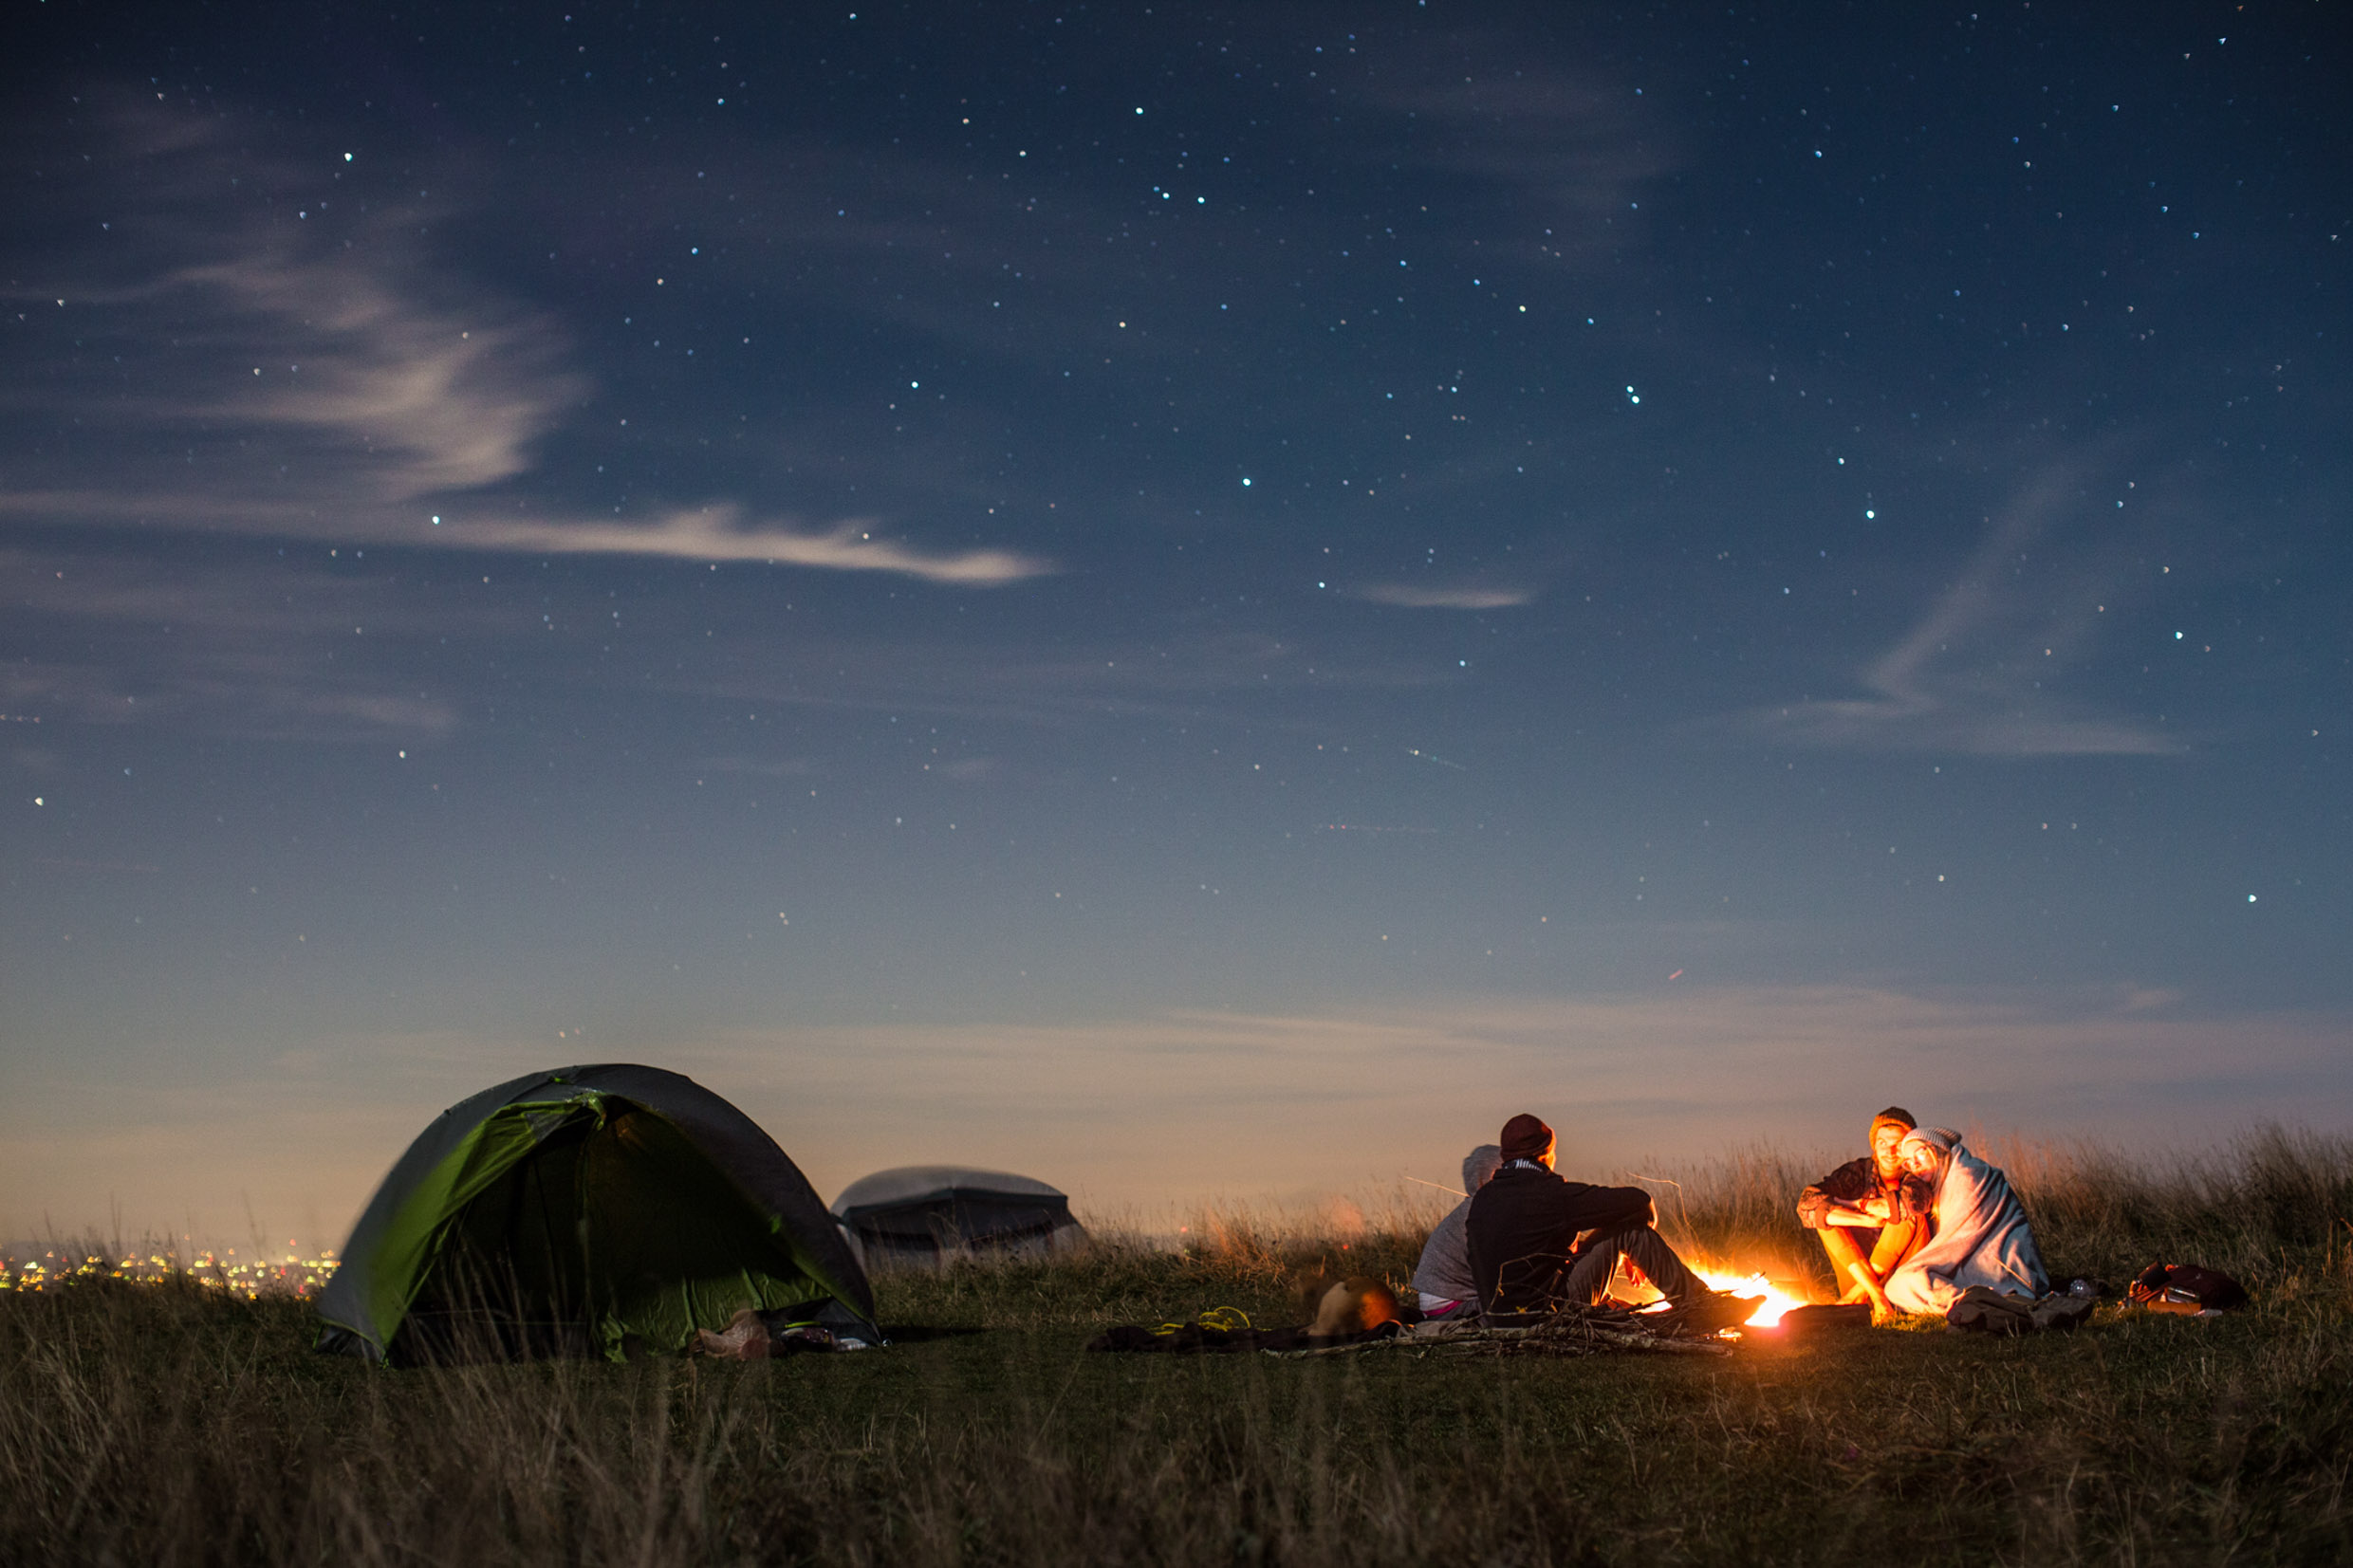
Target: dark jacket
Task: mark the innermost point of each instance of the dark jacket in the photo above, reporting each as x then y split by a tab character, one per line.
1853	1182
1523	1224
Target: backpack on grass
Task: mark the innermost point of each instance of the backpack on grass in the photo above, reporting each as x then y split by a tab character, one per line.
2187	1288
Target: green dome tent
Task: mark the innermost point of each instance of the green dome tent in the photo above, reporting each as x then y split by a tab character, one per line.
582	1211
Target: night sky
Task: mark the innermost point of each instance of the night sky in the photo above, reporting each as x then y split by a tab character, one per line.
1192	602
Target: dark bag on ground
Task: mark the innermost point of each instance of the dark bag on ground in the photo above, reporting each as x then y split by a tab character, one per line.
2187	1288
1982	1309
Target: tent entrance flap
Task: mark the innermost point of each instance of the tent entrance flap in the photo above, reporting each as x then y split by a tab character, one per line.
614	1227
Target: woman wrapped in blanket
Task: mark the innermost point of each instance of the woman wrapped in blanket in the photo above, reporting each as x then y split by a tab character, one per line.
1981	1235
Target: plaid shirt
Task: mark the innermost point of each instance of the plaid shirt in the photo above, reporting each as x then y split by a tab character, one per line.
1855	1181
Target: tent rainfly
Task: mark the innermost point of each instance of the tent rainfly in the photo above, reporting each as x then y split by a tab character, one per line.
928	1213
588	1210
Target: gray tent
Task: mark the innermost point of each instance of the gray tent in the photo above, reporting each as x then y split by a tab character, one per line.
928	1213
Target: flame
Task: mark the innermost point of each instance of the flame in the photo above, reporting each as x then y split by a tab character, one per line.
1777	1301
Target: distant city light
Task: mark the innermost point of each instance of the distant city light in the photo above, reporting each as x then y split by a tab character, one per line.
251	1277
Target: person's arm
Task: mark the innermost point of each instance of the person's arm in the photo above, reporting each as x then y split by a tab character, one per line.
1837	1198
1607	1208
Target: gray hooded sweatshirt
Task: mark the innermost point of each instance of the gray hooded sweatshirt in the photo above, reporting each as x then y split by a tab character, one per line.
1444	1272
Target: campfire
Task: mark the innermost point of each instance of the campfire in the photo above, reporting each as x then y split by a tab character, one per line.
1777	1301
1629	1286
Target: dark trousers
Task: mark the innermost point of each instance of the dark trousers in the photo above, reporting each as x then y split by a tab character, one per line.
1588	1274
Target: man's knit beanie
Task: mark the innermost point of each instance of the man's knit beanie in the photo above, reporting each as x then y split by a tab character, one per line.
1525	1137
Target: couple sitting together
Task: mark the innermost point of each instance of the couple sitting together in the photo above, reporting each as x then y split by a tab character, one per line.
1526	1243
1919	1220
1909	1227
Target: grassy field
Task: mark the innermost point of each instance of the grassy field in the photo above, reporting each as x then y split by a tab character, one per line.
174	1424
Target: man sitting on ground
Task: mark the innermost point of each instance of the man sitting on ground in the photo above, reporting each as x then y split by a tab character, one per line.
1448	1291
1868	1215
1524	1225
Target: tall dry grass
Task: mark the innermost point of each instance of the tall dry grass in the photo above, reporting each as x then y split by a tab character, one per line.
169	1424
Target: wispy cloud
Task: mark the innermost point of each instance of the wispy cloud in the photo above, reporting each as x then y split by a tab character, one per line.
714	533
1416	596
230	690
228	647
405	400
266	341
1572	148
1983	669
324	374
